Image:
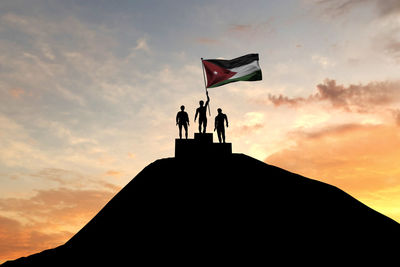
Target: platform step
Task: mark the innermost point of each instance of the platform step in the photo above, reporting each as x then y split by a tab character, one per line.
201	147
204	137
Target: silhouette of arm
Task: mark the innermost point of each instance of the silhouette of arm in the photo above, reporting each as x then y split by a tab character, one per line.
195	117
215	123
177	118
187	118
226	118
208	99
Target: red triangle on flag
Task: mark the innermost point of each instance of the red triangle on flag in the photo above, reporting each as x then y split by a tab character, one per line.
216	74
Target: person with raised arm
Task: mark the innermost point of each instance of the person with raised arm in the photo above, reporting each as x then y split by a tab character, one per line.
202	113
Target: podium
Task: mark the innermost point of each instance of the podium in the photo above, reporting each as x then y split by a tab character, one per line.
202	146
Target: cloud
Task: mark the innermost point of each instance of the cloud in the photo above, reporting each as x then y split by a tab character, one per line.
324	62
251	123
60	176
246	129
114	173
240	27
47	219
384	25
360	159
22	148
252	29
141	44
64	133
388	7
340	7
16	144
392	47
64	205
45	64
330	130
283	100
17	92
362	98
73	179
17	240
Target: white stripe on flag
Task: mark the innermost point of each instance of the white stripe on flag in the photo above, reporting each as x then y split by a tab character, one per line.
245	69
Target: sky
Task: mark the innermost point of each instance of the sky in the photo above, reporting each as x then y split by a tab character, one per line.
89	91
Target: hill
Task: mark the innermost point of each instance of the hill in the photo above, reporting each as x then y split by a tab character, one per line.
231	210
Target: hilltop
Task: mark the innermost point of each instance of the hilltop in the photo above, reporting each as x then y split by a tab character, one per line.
229	210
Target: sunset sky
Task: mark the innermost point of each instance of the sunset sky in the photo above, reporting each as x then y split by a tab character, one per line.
89	92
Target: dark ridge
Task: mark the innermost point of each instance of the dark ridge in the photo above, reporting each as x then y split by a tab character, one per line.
235	210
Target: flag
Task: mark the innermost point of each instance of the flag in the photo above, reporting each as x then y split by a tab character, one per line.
220	72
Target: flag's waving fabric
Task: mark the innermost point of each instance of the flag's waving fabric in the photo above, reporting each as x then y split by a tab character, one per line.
220	72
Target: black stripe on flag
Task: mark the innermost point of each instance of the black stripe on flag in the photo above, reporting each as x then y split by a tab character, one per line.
234	63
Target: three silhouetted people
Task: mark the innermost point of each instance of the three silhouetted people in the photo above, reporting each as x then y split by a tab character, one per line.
202	112
220	126
182	119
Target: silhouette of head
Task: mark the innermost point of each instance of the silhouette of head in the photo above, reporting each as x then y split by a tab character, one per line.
219	111
201	102
182	107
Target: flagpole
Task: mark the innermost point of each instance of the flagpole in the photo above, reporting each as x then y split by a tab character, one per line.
205	85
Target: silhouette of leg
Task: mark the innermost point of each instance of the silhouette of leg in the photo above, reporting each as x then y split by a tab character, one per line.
223	134
180	131
219	134
200	122
186	130
204	125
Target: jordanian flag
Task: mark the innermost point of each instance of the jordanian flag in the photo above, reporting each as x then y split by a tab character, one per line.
220	72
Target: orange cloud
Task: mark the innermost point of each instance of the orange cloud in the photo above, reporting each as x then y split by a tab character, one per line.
46	220
61	176
360	159
17	240
113	173
16	92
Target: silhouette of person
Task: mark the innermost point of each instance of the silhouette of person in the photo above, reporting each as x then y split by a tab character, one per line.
182	119
219	125
202	112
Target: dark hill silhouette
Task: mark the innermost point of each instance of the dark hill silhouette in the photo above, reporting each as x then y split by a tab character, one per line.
236	210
